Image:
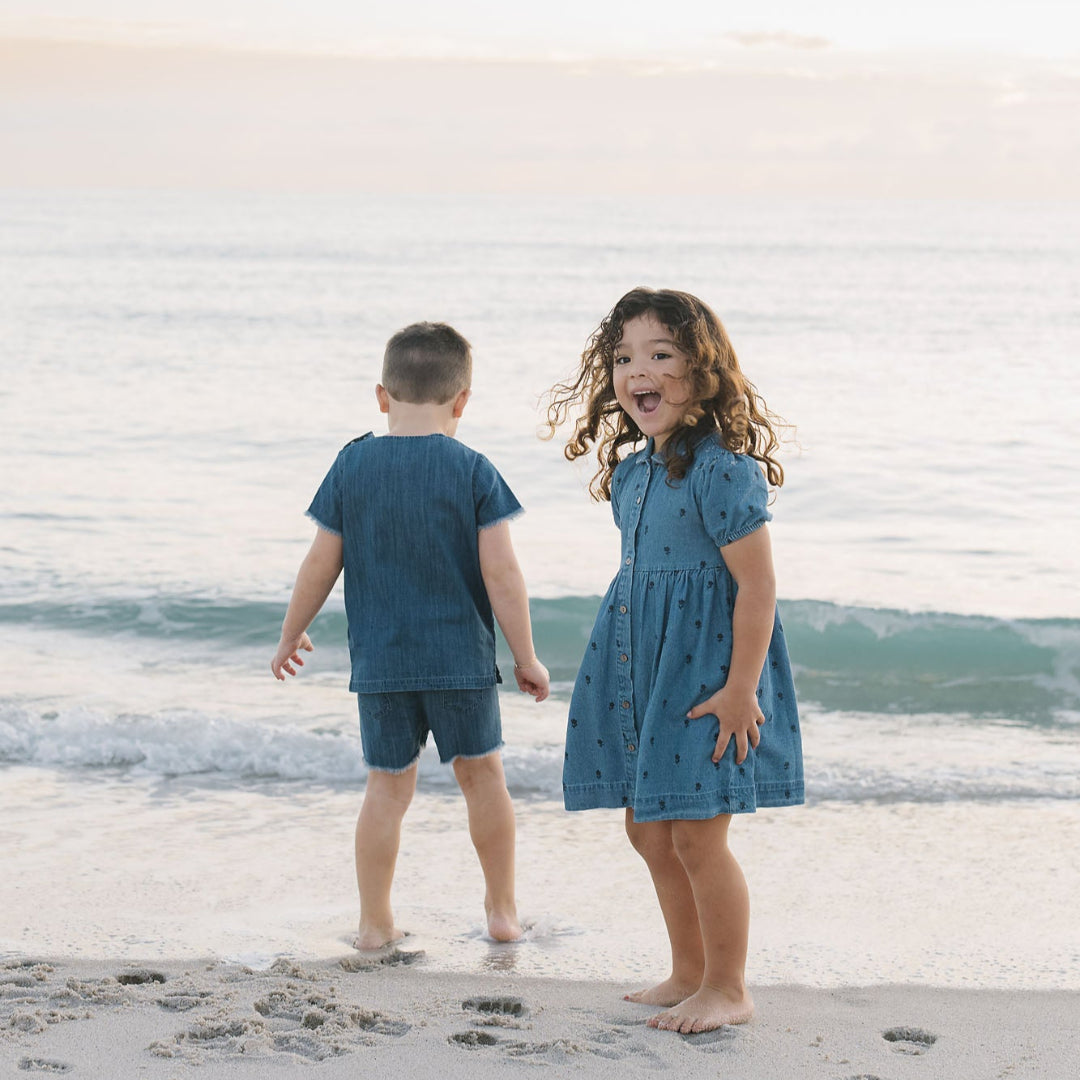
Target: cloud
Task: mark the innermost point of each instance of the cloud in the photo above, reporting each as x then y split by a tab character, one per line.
100	30
776	39
76	114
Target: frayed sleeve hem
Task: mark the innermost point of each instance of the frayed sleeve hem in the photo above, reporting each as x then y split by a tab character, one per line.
322	525
499	520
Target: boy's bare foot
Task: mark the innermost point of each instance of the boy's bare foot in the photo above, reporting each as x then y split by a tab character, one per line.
370	938
503	925
705	1010
670	992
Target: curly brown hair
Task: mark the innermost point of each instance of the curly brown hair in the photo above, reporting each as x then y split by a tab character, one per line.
724	400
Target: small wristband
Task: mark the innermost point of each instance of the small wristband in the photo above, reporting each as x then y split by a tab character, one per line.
518	667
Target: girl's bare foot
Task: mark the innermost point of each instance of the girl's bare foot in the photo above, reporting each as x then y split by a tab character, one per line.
670	992
370	938
705	1010
503	925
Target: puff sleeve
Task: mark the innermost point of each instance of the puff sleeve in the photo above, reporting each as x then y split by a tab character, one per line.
732	497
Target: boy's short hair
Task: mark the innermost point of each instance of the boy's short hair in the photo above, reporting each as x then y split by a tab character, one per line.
427	362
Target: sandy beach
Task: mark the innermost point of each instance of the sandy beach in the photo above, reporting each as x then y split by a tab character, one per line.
360	1018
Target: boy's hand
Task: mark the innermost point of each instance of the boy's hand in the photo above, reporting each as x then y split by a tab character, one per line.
288	653
533	679
739	716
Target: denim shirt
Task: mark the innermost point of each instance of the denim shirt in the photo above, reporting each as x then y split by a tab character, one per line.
408	509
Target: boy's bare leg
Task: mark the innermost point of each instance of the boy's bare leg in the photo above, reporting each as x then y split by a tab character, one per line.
491	827
723	905
652	840
378	837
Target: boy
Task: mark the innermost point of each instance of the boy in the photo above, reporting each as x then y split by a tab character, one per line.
419	522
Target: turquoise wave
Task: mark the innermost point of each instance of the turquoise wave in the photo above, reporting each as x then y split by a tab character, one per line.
846	657
880	660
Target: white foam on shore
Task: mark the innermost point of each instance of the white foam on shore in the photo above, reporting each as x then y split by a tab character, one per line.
855	757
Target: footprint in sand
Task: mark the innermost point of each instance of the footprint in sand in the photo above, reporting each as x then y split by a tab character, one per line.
302	1045
44	1065
562	1052
313	1011
183	1000
22	991
221	1033
609	1043
713	1040
909	1040
498	1006
35	969
504	1012
222	1036
390	958
139	978
473	1039
290	1004
608	1036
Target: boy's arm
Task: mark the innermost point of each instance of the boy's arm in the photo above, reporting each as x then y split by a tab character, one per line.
318	572
510	602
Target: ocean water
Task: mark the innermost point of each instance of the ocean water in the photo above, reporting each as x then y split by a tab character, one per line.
179	372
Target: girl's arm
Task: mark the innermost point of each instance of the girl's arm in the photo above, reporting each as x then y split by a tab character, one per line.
510	603
318	572
749	561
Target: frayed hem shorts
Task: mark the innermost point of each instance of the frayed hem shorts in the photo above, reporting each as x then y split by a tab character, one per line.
394	726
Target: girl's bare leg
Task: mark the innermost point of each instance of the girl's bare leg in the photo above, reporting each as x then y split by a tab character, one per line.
492	829
652	840
378	837
723	906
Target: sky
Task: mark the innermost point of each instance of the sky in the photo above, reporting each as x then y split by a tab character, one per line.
777	98
559	27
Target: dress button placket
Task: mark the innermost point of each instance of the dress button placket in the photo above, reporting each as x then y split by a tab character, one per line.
622	621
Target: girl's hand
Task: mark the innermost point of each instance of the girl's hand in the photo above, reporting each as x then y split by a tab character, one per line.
288	653
532	678
739	716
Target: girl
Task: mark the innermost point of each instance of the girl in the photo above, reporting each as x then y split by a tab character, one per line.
683	711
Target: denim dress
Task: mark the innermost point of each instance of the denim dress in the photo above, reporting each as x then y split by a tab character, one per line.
661	644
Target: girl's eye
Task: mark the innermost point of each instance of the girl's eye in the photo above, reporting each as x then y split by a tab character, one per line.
622	360
661	356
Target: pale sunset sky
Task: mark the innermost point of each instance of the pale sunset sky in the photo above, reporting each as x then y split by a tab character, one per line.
843	98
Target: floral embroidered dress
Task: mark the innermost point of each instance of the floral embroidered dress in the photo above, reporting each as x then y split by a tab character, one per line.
662	644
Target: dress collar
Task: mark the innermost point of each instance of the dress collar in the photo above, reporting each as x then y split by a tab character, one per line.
695	439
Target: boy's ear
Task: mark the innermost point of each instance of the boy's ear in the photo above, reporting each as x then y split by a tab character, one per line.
383	398
460	402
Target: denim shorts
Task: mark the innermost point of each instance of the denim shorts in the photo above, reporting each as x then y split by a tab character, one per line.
394	726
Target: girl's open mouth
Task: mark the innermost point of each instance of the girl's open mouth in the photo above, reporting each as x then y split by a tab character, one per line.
648	401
